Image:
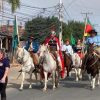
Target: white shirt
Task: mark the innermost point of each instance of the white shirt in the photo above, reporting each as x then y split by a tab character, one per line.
68	49
30	47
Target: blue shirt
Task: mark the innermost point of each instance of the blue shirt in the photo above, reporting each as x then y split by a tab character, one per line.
95	40
35	46
4	63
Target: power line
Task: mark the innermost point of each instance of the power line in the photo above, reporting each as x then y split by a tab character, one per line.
37	7
71	3
25	14
66	12
33	7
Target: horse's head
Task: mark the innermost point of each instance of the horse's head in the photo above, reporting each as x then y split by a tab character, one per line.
43	49
90	48
19	54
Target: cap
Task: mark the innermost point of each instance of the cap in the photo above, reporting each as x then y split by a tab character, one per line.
92	31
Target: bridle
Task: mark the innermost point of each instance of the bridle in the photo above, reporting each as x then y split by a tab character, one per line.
21	58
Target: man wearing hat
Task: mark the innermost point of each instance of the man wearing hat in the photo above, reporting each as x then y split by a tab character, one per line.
33	46
95	40
53	42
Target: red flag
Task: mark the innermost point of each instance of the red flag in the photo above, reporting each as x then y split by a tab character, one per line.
88	26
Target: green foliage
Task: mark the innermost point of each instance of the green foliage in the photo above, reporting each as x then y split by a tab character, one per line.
41	24
14	4
40	27
75	28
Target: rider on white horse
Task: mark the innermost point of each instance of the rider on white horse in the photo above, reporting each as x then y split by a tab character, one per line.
32	46
53	42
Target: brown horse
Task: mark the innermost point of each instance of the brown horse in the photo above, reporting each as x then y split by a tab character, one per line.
91	64
67	62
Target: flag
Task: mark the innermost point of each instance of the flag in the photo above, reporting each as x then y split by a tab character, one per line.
15	40
72	40
88	27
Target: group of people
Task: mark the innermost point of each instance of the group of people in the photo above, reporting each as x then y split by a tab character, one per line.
53	43
55	48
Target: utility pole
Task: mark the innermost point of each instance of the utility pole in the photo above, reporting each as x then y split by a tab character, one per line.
86	17
1	5
60	18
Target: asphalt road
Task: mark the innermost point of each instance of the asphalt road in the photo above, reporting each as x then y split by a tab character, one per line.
68	90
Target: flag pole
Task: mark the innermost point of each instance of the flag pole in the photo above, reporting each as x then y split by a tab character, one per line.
86	14
15	28
60	18
84	34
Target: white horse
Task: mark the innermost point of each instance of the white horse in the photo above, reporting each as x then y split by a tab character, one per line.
49	65
25	59
77	62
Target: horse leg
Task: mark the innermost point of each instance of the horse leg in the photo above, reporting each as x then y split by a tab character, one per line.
93	82
54	79
98	79
30	86
89	76
57	76
76	75
22	82
70	74
36	77
79	73
45	81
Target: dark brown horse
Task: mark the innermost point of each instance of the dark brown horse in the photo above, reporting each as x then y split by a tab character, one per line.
67	62
91	64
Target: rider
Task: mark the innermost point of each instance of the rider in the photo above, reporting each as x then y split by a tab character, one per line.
68	48
79	47
95	40
33	46
54	45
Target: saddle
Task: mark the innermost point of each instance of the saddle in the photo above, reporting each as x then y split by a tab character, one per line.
35	58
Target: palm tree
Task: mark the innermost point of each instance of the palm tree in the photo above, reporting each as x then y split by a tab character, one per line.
14	4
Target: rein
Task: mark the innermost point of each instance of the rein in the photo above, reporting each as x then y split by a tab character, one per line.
94	63
23	57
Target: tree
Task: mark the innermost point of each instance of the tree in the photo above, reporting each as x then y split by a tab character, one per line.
74	28
14	4
41	27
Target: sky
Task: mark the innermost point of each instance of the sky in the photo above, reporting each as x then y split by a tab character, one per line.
74	9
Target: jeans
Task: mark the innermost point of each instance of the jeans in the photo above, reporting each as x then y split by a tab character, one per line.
3	89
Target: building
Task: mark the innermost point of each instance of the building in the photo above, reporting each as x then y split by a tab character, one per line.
6	33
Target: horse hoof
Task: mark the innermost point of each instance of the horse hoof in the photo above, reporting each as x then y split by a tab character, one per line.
30	87
77	80
44	90
20	89
54	88
92	88
98	84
